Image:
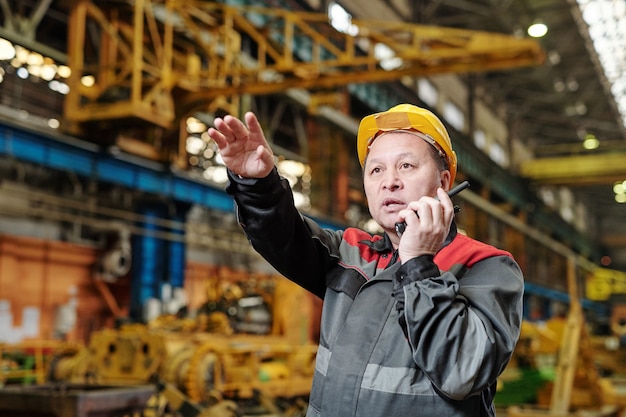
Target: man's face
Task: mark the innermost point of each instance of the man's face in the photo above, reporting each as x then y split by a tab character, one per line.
399	169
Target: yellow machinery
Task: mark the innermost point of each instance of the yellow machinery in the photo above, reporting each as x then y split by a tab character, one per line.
158	61
196	366
202	365
578	388
206	368
609	286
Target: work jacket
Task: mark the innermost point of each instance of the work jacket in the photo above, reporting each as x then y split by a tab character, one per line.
427	338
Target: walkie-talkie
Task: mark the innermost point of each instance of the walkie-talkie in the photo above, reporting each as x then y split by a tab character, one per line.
401	226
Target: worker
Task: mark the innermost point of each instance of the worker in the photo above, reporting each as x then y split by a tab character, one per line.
413	324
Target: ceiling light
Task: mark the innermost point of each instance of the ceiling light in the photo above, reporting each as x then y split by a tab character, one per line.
35	59
591	142
387	57
580	107
291	167
341	20
194	125
34	70
22	73
88	80
194	145
59	87
7	50
48	72
537	30
64	71
554	58
619	188
21	54
559	86
572	84
54	123
208	153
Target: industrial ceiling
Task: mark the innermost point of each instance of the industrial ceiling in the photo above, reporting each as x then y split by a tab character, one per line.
549	107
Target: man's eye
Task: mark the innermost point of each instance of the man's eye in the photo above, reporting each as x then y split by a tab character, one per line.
406	165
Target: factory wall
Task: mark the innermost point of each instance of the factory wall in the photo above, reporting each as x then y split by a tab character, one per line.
48	290
43	281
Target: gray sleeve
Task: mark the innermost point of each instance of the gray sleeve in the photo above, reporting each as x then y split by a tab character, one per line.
295	245
462	332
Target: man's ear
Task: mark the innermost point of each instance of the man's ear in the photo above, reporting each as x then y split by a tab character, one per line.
444	177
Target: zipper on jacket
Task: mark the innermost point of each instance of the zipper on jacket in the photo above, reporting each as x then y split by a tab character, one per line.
394	258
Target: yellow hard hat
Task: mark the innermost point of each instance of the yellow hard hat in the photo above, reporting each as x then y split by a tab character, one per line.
406	117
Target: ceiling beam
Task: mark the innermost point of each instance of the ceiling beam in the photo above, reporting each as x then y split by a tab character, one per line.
577	170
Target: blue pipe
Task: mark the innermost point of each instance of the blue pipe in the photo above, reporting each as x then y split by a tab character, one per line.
176	251
88	160
148	267
599	308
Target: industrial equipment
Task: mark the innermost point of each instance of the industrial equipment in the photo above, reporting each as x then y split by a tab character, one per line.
202	366
27	362
159	61
578	387
225	356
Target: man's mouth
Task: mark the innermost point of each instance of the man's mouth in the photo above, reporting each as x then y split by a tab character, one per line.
393	203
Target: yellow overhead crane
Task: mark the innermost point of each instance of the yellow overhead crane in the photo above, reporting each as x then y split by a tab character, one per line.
158	61
577	170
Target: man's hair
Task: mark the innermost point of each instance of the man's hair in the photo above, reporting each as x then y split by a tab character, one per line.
440	159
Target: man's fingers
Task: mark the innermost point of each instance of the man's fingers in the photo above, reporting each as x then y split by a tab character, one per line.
218	137
253	124
224	128
231	129
238	129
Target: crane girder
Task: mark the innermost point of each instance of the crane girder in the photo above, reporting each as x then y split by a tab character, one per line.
573	170
157	60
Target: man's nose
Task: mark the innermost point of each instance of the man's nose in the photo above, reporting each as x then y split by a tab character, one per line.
392	180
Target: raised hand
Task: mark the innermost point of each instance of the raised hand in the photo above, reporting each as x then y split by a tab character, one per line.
243	147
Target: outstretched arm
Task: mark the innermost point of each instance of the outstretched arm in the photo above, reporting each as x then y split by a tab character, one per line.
297	247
